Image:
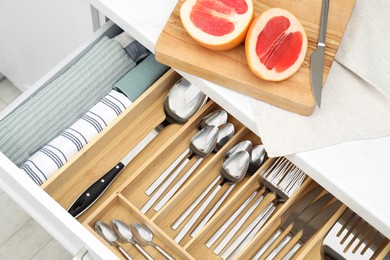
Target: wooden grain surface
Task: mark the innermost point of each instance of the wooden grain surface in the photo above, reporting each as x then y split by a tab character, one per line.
230	69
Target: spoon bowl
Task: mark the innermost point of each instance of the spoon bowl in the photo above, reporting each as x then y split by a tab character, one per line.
204	141
258	157
225	133
123	232
235	167
183	101
245	145
107	234
216	118
144	237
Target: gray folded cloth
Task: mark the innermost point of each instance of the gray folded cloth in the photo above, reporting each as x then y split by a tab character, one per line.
63	101
139	79
355	100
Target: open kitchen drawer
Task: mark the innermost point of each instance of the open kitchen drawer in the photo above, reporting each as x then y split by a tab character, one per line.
125	196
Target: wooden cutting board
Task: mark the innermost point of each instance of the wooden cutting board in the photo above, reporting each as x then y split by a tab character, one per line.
177	49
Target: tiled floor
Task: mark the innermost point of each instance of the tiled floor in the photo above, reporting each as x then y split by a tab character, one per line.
20	236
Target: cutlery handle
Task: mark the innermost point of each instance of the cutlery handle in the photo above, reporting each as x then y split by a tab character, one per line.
197	214
255	230
222	229
211	213
163	187
232	249
149	257
279	247
267	244
91	194
162	251
238	225
165	174
195	203
124	253
324	22
292	251
177	186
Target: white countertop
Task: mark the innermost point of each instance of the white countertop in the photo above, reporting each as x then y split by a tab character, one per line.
358	173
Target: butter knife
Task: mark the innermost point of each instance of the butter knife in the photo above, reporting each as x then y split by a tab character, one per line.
317	57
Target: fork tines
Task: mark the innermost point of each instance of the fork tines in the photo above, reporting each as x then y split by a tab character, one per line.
354	238
283	178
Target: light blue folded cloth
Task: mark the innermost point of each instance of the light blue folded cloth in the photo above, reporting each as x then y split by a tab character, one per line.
58	105
139	79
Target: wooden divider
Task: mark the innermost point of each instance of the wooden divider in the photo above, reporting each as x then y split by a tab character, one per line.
126	196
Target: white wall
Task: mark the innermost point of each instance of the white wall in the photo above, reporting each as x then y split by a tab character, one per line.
37	34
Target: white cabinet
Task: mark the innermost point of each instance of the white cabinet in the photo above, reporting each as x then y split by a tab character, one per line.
36	35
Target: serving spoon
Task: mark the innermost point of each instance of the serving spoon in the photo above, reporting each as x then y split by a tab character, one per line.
180	104
123	232
107	234
144	237
232	171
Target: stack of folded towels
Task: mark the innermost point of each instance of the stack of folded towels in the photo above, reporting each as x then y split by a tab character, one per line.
83	101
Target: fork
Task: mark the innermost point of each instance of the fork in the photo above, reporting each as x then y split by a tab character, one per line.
283	179
352	238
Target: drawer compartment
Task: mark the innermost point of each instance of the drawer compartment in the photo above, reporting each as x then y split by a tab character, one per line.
126	196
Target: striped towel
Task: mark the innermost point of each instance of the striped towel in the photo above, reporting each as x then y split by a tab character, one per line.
63	101
57	152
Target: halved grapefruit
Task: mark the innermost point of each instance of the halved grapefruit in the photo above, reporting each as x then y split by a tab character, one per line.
217	24
275	45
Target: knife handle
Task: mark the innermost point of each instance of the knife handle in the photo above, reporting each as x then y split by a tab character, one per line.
90	195
324	22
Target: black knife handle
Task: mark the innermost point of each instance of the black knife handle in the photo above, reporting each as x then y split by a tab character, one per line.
90	195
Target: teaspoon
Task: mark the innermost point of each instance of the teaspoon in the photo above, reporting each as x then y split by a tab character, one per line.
201	145
145	237
105	232
245	145
123	232
232	171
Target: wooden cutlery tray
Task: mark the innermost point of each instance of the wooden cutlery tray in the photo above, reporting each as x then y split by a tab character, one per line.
126	196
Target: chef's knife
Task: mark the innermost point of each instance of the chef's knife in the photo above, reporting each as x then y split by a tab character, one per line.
317	57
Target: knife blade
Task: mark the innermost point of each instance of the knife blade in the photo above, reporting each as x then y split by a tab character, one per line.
96	190
313	226
298	223
317	57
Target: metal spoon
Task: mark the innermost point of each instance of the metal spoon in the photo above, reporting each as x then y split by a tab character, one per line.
245	145
201	145
225	133
217	118
232	171
123	232
180	104
105	232
145	237
258	157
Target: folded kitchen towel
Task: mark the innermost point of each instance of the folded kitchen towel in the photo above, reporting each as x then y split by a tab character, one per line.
136	81
136	51
354	100
60	103
51	157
